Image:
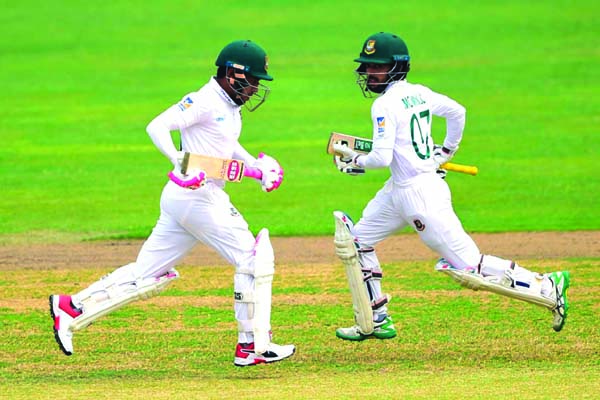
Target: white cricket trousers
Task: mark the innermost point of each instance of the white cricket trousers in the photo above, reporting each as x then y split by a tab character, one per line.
424	203
187	217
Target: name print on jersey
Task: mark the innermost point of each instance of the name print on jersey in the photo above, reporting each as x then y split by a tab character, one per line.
411	101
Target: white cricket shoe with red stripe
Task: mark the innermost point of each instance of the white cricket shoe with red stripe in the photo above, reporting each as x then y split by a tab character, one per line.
245	355
63	312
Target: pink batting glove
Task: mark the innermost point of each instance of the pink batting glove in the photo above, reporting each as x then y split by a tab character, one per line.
272	173
193	180
252	172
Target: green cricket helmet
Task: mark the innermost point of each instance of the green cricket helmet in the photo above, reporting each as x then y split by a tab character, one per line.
383	48
247	56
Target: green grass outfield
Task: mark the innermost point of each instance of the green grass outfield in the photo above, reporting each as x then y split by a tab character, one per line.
80	81
453	343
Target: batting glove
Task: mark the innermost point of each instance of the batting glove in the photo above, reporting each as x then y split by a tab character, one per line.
194	179
272	173
442	155
441	173
345	160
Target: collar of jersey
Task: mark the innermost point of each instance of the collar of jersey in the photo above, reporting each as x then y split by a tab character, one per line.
217	88
391	85
396	83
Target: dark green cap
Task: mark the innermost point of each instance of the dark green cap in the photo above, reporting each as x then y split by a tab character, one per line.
383	48
247	56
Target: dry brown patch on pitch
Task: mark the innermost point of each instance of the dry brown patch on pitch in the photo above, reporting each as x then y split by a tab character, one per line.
294	250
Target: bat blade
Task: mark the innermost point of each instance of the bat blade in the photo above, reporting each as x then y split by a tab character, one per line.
358	144
228	169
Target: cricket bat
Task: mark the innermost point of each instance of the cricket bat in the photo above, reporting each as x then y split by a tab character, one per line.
228	169
362	145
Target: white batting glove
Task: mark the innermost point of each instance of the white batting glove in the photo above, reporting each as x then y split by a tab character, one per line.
345	151
272	173
345	160
194	179
441	155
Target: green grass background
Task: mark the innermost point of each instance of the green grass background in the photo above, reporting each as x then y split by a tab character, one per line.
80	81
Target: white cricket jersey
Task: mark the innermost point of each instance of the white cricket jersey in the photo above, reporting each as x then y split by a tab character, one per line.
402	119
209	121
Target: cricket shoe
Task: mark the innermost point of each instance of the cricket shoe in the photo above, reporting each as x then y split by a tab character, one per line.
384	329
245	355
560	281
63	312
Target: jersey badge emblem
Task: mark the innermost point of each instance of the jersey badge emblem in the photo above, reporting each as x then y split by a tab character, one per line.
370	47
419	225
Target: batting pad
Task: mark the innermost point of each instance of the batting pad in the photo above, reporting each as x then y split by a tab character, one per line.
345	249
475	281
118	296
264	269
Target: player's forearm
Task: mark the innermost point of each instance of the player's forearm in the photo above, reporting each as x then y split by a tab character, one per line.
454	114
377	158
161	137
454	131
241	153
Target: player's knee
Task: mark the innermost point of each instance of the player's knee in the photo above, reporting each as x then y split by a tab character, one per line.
261	259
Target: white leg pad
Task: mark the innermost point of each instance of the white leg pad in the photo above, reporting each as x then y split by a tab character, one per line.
346	250
503	286
116	296
264	269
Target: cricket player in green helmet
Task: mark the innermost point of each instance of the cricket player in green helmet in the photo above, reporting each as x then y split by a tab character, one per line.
389	60
195	210
415	196
243	64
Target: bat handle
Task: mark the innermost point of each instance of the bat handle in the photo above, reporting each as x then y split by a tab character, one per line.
252	172
465	169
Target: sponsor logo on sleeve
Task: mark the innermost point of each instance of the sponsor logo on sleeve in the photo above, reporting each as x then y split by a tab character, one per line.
380	124
185	103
